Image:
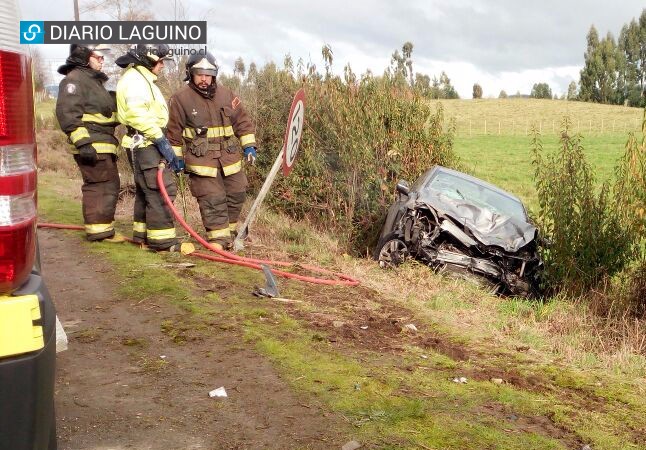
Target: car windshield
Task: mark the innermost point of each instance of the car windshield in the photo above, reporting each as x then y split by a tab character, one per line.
458	188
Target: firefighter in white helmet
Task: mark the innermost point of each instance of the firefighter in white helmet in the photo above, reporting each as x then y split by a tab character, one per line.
209	124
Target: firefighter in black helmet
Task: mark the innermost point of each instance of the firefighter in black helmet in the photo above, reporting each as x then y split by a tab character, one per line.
142	108
86	112
211	122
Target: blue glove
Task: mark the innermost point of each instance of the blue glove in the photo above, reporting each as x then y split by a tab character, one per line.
167	152
250	155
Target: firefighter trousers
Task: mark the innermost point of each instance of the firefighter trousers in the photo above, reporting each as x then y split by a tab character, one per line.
152	219
220	199
100	193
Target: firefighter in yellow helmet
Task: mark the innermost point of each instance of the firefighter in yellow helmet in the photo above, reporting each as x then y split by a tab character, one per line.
142	108
86	112
211	122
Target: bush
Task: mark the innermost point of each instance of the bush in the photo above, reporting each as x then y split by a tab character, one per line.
630	190
630	203
360	137
589	241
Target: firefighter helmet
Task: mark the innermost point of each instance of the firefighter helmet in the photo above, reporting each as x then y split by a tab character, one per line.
149	54
201	64
82	52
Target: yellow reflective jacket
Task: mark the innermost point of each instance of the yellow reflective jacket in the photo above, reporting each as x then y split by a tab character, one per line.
141	105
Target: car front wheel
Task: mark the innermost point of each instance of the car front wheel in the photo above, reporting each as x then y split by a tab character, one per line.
391	250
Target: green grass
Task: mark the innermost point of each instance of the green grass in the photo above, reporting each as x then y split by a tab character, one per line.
372	394
506	160
394	398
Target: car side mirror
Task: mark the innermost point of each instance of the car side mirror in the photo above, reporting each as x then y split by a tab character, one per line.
402	187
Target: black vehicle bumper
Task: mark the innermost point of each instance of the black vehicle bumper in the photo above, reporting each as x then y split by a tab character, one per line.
27	379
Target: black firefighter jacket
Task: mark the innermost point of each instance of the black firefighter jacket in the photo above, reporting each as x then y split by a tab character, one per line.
85	110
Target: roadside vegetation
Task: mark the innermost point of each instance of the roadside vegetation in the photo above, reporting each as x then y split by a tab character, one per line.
475	371
535	377
546	375
363	133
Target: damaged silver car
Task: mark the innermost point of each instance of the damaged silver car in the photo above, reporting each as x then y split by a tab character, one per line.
459	224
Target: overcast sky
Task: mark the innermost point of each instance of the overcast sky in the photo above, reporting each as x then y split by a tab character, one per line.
500	44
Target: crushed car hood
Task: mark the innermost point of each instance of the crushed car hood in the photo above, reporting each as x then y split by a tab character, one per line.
486	226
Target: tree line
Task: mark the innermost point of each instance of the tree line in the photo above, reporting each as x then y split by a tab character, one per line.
614	71
401	69
539	90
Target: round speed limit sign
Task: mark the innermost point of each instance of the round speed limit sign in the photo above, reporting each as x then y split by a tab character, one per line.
294	131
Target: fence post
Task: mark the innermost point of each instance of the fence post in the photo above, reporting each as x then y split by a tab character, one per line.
498	128
485	127
590	127
552	126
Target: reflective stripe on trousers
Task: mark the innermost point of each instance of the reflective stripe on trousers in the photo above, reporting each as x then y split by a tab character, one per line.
221	233
138	227
96	228
160	235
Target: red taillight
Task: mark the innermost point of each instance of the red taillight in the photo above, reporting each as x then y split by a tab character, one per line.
17	171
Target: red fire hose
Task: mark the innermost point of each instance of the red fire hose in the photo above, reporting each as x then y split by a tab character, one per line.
232	258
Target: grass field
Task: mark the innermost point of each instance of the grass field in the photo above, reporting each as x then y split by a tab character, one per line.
502	155
516	116
345	349
506	160
540	375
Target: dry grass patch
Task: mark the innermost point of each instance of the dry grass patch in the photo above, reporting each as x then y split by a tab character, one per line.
558	328
515	116
54	155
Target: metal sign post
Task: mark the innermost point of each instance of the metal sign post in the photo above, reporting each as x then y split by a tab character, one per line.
285	158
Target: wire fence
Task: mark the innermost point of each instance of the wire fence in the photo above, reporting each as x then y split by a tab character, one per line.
520	127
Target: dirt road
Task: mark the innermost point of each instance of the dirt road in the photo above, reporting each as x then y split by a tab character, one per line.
125	384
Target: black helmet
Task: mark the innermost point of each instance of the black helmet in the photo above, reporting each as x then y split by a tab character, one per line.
82	52
202	64
149	54
80	56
